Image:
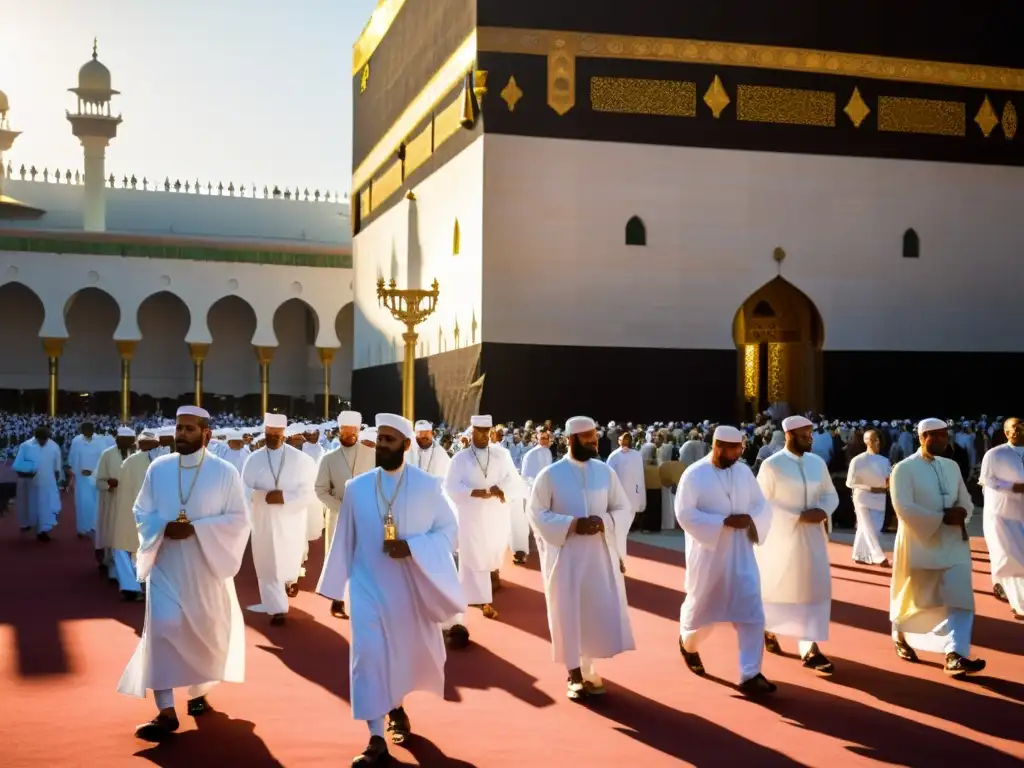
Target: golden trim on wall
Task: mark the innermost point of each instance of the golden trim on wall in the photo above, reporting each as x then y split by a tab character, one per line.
856	109
787	106
638	96
897	114
776	373
541	42
419	148
447	122
364	202
1009	120
987	119
385	185
376	28
447	77
511	93
751	371
561	77
716	97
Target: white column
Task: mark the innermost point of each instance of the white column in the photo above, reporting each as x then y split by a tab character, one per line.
95	203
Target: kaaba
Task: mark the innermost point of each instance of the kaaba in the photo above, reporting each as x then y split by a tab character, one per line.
671	210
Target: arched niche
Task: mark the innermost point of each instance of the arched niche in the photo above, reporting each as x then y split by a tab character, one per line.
636	232
90	363
779	336
296	370
230	369
162	366
22	359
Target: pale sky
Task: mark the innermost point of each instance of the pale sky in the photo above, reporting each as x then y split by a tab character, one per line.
250	91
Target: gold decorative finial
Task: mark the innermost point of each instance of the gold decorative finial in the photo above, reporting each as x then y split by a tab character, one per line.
94	46
365	78
717	98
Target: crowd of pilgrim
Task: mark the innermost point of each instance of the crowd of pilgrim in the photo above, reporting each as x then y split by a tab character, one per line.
417	521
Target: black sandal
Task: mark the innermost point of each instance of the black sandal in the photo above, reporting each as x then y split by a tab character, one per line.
158	729
693	662
198	706
398	725
905	652
757	686
771	644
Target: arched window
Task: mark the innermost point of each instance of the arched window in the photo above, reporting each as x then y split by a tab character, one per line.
636	232
911	245
763	309
456	239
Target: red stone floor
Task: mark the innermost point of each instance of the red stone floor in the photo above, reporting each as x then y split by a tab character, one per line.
65	638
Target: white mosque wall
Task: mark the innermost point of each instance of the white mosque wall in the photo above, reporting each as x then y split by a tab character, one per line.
415	243
92	301
188	214
554	234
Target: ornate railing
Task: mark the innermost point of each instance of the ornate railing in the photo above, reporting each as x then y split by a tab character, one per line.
196	187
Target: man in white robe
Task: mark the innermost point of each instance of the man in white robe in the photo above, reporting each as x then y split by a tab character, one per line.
280	482
724	514
38	467
1002	478
868	478
107	476
796	576
931	599
192	528
350	459
425	453
86	449
579	508
481	480
393	546
536	459
125	536
315	517
235	451
629	467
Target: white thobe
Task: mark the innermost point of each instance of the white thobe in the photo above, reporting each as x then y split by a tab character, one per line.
693	451
433	460
38	497
396	605
1001	469
723	584
83	457
796	578
584	586
125	537
484	527
517	451
534	460
278	530
193	633
931	599
315	510
822	445
629	467
868	470
235	458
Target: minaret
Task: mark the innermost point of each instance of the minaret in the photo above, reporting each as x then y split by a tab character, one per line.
7	137
95	127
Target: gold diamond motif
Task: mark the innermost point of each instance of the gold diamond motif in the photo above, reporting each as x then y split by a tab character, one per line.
716	97
856	109
1009	120
986	118
512	94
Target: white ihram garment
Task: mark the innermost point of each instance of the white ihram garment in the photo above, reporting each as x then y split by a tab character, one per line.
723	585
193	633
584	585
396	605
83	457
1001	469
868	470
38	499
796	578
629	467
278	530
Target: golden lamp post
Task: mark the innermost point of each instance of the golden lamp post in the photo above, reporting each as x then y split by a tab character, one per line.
410	306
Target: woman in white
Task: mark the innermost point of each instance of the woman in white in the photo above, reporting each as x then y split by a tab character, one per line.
868	478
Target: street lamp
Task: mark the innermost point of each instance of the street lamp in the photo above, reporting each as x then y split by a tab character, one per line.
410	306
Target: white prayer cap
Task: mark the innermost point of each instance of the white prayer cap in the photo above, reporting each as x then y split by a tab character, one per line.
578	424
350	419
148	434
611	425
165	431
293	430
368	435
193	410
481	421
931	425
275	421
795	422
727	434
423	426
885	424
393	420
125	432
